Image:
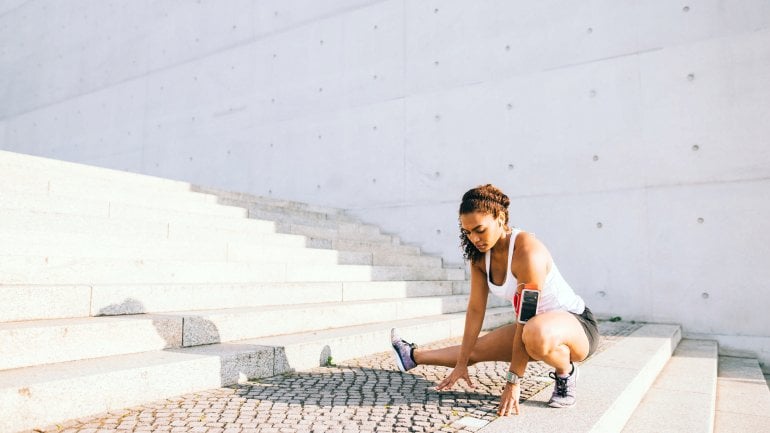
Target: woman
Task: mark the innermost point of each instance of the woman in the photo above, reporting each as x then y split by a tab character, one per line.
502	261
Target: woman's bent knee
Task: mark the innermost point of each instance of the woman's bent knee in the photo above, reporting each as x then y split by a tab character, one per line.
538	340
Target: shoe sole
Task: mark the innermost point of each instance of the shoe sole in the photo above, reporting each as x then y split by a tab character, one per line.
396	356
399	363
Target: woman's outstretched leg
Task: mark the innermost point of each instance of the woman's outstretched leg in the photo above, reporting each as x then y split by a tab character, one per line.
495	346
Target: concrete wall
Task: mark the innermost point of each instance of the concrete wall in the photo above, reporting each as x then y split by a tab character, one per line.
632	136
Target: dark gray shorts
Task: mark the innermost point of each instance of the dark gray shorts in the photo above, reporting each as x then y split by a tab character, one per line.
591	329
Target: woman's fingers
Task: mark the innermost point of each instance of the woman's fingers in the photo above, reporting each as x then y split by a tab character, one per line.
446	383
516	405
504	408
467	379
509	402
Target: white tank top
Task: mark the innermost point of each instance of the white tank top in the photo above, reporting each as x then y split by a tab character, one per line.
556	295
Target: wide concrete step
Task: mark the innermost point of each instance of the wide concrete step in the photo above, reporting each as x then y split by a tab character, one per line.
29	343
23	174
13	221
344	231
293	215
24	302
359	245
32	270
263	248
42	395
312	349
167	208
610	386
683	397
743	398
83	246
24	344
214	326
76	186
249	200
35	165
181	227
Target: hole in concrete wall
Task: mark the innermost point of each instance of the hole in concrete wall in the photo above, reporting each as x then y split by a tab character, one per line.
510	166
589	30
705	295
695	147
700	220
599	225
592	93
596	158
509	106
686	9
690	77
435	63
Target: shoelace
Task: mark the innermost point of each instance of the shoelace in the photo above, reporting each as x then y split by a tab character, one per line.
561	384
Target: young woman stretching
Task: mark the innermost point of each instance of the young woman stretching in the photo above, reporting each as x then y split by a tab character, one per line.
502	261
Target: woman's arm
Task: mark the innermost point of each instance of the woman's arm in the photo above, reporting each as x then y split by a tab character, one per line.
530	266
474	319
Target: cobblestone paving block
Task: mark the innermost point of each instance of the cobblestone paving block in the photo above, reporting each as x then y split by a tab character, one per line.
366	394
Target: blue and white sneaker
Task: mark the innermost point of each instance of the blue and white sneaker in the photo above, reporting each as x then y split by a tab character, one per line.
565	389
403	352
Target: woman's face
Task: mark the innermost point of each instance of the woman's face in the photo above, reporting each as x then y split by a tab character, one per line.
482	229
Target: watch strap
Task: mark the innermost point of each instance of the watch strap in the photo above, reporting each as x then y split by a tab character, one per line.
512	378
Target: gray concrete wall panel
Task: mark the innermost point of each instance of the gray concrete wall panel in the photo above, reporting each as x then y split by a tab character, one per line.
631	136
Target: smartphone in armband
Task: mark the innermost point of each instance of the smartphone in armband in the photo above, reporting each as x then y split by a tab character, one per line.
528	307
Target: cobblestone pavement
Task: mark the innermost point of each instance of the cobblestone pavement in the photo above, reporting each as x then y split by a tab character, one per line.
365	394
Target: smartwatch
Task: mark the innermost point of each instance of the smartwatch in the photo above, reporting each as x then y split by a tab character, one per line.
512	378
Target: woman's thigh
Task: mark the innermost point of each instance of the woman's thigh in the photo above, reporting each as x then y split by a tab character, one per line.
548	330
495	346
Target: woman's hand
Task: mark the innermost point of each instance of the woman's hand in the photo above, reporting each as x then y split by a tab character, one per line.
460	372
509	401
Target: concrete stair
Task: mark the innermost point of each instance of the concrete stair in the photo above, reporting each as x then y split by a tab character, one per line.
654	381
119	289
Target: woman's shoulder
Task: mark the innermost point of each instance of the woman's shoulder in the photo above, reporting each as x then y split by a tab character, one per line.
529	247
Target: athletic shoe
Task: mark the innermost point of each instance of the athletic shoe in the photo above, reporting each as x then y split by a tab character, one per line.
564	390
403	352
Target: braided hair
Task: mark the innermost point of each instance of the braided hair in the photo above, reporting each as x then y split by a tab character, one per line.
487	199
